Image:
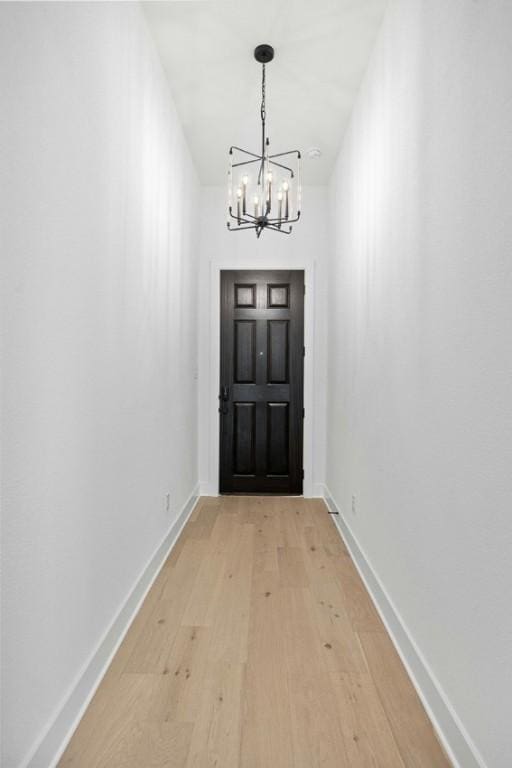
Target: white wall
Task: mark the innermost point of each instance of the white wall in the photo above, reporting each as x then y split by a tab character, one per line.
420	350
306	248
100	269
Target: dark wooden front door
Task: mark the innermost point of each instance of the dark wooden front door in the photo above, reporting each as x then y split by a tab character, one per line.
261	381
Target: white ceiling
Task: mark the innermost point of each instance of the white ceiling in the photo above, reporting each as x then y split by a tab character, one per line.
321	47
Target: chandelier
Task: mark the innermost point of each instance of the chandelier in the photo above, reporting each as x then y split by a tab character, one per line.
266	193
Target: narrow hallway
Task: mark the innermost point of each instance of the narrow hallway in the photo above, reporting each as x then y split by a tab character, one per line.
256	249
258	646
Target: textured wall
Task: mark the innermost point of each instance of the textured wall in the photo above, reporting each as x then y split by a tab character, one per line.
419	408
99	268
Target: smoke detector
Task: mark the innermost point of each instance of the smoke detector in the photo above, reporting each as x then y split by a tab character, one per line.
314	153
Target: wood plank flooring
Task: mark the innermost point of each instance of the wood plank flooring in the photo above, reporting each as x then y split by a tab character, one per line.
257	647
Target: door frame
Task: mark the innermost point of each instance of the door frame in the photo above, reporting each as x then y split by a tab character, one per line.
212	488
263	394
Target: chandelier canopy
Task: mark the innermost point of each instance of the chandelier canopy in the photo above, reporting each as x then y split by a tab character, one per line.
263	193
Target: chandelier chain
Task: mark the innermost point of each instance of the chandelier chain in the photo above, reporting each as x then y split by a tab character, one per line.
262	111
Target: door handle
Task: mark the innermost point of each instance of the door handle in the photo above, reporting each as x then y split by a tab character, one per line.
224	398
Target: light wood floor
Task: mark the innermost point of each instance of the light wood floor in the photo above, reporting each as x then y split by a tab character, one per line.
257	646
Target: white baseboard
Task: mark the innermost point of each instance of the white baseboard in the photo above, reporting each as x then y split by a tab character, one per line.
318	491
52	744
450	731
208	489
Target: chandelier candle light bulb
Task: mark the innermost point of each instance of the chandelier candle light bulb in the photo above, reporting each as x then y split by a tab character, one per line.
245	181
238	198
285	164
286	188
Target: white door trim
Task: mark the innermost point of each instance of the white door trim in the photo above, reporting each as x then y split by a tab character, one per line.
210	487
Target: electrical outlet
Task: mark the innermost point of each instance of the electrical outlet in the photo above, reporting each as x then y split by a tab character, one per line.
168	502
354	507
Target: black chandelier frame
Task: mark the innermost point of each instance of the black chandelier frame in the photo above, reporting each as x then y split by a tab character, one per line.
263	54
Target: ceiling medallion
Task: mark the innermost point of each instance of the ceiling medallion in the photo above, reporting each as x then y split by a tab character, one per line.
267	193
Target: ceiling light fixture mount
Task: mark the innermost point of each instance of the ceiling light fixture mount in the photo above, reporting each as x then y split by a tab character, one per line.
269	175
264	53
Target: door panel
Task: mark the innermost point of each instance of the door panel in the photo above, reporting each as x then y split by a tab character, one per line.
245	352
278	352
245	295
278	426
244	434
261	400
